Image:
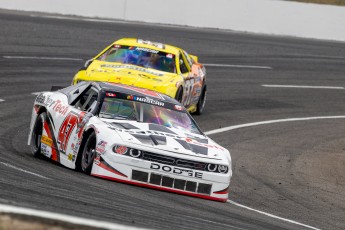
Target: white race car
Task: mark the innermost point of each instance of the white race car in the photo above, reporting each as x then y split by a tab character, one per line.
130	135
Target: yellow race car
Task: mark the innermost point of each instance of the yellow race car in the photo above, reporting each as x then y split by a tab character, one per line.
163	68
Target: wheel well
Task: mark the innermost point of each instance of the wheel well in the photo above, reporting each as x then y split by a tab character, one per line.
205	88
41	110
86	134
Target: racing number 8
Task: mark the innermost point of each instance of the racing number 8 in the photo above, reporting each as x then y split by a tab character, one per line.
189	89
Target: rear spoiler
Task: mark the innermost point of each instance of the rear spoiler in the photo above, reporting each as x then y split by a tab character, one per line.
195	58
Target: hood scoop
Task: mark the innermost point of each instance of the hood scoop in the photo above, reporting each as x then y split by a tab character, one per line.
124	125
160	128
151	139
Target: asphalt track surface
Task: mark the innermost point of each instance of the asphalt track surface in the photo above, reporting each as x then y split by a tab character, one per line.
294	170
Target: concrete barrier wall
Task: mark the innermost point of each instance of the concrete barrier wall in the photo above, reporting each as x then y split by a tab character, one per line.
258	16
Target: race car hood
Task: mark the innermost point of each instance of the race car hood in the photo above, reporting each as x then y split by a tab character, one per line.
166	139
129	74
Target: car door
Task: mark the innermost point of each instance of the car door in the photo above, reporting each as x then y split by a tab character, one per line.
188	80
70	130
195	77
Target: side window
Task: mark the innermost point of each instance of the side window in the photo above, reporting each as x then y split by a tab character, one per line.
183	66
87	100
189	60
75	92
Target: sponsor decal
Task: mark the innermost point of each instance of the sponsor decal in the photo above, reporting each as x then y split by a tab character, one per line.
148	100
178	107
110	94
75	147
170	56
147	50
70	156
47	101
60	108
46	140
149	77
195	142
176	170
46	150
133	67
155	44
100	148
120	149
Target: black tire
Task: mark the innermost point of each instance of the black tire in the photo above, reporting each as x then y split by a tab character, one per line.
179	94
88	154
202	100
37	134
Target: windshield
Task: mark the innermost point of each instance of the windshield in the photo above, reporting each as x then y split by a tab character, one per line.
140	56
114	108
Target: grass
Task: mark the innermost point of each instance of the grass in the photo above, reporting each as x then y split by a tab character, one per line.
328	2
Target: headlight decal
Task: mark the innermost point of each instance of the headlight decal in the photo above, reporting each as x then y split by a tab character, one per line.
168	160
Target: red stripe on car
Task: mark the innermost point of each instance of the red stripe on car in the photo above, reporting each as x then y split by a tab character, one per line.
163	188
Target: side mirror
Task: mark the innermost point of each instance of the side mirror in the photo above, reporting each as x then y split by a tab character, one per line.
87	63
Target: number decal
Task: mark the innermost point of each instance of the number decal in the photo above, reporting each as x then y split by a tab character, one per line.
65	131
189	85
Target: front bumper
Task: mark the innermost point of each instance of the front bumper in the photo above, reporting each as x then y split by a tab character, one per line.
201	184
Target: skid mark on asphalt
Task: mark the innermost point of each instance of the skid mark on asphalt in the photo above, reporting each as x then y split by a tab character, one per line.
272	216
23	170
304	86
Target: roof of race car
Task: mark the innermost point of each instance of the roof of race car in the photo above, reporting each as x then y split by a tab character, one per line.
148	44
107	86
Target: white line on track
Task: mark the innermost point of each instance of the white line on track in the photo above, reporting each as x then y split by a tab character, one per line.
238	66
1	100
225	129
272	216
81	19
43	58
22	170
304	86
64	218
